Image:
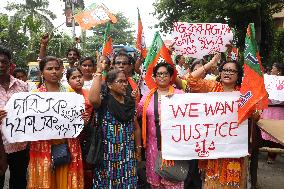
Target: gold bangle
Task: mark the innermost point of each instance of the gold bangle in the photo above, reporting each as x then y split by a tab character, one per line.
138	147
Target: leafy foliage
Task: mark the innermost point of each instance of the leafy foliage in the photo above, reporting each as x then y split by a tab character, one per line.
35	15
277	53
27	25
10	29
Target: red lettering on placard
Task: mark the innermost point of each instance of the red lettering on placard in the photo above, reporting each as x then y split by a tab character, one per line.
197	131
218	108
175	113
184	133
229	107
207	125
199	135
193	110
202	150
190	50
173	138
178	111
225	123
280	86
175	26
233	128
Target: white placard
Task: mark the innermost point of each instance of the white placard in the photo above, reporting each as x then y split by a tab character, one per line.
43	116
202	126
199	39
274	85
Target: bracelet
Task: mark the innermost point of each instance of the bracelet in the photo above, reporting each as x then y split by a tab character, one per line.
138	147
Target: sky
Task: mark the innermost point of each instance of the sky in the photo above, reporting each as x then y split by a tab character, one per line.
127	7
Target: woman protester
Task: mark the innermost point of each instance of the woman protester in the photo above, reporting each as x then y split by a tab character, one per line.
88	68
163	74
227	172
75	80
275	111
115	114
41	174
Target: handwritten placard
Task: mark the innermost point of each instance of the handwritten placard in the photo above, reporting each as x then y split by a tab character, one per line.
43	116
274	85
202	126
199	39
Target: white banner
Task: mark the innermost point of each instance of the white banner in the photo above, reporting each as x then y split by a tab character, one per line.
43	116
274	85
199	39
202	126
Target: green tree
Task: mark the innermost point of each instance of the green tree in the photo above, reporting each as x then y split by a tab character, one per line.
35	19
59	44
277	53
35	15
237	13
120	32
10	29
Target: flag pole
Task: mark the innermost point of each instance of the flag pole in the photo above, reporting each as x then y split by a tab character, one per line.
73	19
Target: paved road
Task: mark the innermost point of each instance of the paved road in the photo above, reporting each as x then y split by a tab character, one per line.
269	176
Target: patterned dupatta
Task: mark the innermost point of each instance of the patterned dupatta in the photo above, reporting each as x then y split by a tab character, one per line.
226	170
40	171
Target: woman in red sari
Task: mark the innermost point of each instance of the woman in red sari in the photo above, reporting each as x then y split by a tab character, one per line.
75	80
40	172
225	173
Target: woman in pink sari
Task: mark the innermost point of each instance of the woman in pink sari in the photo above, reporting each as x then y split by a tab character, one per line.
163	73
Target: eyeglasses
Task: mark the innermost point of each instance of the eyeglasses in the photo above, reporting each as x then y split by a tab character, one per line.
121	82
121	62
229	71
162	74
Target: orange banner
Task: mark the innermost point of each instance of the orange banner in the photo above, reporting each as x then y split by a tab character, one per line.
90	18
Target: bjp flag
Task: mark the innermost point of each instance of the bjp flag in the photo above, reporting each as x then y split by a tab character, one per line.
158	52
107	46
253	93
140	41
99	14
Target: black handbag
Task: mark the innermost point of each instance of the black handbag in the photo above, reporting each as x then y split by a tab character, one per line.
60	155
95	153
176	173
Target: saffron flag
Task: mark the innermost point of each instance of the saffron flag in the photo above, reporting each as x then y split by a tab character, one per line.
107	48
158	52
99	14
253	93
140	41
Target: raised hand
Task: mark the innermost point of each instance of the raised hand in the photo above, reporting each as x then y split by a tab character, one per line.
45	39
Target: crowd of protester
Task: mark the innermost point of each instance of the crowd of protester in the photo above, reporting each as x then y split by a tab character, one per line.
115	107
